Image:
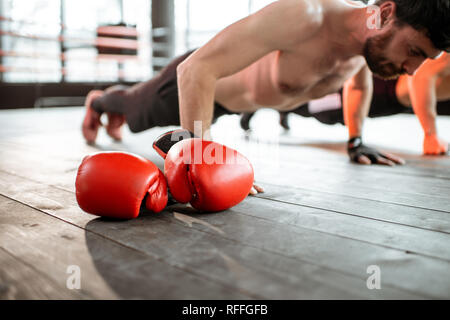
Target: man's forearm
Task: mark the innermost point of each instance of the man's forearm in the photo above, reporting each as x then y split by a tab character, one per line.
196	91
356	101
423	98
356	108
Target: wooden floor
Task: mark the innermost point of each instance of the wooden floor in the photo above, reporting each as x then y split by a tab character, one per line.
312	235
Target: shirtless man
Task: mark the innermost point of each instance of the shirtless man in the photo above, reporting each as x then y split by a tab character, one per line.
286	54
427	92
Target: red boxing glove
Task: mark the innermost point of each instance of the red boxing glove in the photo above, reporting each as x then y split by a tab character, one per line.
114	184
211	176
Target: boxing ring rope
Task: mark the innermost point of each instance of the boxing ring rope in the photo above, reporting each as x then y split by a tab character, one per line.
122	41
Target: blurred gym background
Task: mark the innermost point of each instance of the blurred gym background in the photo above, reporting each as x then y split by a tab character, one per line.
52	52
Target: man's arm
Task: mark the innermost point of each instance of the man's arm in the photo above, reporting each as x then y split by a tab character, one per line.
278	26
356	101
422	92
356	104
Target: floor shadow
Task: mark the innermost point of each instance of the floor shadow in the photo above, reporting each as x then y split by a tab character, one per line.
129	273
132	256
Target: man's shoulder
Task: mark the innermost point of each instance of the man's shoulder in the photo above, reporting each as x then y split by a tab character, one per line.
302	15
314	9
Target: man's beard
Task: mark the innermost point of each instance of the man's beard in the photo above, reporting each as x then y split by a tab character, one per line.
377	62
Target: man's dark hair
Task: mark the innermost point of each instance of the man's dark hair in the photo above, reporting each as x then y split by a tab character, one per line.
431	16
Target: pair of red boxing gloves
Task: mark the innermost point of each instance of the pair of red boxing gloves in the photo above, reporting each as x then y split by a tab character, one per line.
208	175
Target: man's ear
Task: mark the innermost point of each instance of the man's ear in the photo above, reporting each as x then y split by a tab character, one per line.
387	12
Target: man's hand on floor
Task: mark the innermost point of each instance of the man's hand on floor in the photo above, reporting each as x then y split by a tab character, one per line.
433	145
255	190
362	154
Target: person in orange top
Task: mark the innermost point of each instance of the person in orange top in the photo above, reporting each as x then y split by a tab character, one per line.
427	92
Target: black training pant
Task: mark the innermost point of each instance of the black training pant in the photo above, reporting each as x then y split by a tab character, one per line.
151	103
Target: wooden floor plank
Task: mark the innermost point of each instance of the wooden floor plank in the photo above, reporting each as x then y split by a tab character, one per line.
334	156
59	171
420	218
380	174
395	236
19	281
108	270
320	171
245	267
364	185
407	238
327	250
436	247
290	244
355	181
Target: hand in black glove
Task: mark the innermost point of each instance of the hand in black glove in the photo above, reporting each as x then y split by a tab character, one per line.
164	142
359	153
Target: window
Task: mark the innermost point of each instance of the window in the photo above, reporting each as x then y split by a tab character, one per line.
197	21
52	41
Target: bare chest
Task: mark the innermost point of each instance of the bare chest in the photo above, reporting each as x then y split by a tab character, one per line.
313	75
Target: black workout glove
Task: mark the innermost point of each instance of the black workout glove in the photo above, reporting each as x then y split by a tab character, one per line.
356	148
164	142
